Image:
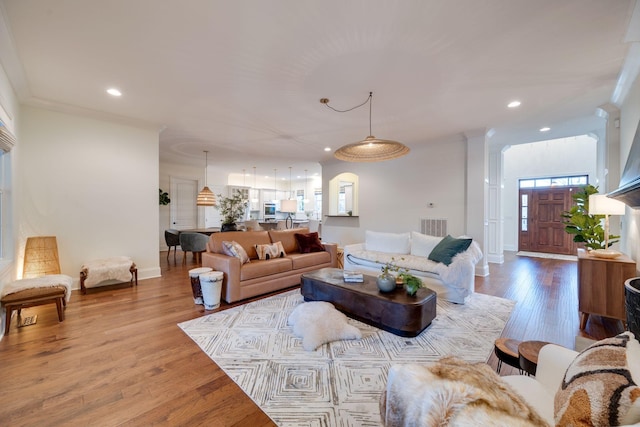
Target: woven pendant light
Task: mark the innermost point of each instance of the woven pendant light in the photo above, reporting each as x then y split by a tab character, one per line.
205	196
371	149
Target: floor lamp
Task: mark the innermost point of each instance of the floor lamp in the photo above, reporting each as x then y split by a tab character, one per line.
600	204
288	207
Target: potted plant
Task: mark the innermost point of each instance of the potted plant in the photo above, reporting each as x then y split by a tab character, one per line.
232	209
411	283
584	227
386	281
164	198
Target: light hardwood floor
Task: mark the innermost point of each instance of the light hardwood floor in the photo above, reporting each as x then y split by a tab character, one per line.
119	358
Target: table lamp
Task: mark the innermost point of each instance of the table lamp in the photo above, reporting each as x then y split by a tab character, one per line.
289	207
600	204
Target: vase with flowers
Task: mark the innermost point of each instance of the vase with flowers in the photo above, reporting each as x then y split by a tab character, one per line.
386	281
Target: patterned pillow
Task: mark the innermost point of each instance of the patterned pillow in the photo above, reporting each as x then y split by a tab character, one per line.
274	250
234	249
599	388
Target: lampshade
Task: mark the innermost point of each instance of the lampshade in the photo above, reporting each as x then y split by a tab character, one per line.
288	206
205	196
372	149
40	257
600	204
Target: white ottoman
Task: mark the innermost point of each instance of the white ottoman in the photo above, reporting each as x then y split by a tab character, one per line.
194	275
211	284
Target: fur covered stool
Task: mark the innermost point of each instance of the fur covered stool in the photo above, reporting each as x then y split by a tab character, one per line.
54	288
120	268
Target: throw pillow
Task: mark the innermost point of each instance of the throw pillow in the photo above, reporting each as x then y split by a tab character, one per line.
600	385
392	243
235	249
319	322
448	248
274	250
308	243
423	244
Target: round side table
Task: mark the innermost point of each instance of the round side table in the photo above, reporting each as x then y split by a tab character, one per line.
506	350
528	355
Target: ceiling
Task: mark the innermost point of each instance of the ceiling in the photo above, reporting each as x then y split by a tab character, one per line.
243	78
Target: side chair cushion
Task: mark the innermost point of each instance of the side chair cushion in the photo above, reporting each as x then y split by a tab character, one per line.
271	251
600	387
309	242
234	249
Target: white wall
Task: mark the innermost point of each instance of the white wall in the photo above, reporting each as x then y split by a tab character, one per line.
558	157
91	183
629	122
394	194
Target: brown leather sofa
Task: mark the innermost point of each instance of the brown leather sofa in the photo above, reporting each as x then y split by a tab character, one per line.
258	277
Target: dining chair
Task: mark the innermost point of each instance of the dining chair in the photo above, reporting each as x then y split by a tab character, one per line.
172	239
193	242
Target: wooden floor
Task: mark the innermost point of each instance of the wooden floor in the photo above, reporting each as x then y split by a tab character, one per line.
119	358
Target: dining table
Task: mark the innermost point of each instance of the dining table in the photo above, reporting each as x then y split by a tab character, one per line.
208	231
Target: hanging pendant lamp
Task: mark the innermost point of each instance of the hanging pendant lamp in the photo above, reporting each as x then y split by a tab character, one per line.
205	196
371	149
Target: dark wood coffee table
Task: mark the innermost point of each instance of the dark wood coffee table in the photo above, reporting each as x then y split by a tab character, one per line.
395	312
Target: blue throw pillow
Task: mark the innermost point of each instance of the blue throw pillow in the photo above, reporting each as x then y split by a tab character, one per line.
448	248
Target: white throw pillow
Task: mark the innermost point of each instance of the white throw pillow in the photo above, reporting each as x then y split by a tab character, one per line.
423	244
392	243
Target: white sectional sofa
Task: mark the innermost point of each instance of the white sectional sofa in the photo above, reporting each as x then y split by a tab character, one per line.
411	251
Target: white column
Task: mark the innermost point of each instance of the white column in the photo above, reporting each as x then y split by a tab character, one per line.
495	216
476	193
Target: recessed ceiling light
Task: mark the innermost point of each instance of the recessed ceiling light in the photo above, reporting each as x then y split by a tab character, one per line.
545	129
513	104
327	149
114	92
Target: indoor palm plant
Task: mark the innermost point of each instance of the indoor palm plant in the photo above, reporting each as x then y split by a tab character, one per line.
586	228
232	209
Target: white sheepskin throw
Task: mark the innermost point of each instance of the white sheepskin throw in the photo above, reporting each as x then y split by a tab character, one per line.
100	270
319	322
452	393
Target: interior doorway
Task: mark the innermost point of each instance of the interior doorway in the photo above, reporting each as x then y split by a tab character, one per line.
542	202
184	212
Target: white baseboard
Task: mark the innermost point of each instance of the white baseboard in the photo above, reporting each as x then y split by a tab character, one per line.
496	259
482	270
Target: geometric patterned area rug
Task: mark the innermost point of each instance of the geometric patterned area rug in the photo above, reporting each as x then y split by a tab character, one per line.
340	383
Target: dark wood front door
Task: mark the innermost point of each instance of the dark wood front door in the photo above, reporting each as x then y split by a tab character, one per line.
541	227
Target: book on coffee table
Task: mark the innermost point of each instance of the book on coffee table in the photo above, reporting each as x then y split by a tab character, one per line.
353	276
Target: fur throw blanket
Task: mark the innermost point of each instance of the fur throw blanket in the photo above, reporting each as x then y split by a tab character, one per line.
452	393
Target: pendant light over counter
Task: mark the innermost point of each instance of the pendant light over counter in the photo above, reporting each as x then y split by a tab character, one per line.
206	196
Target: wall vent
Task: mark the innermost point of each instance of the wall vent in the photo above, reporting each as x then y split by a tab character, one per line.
433	226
